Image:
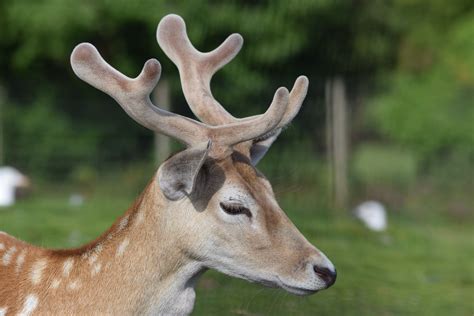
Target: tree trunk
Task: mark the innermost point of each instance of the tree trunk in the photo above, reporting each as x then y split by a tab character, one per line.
337	140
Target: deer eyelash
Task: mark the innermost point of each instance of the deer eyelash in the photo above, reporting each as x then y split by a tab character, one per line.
235	209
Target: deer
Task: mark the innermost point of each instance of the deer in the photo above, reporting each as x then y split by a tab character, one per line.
206	207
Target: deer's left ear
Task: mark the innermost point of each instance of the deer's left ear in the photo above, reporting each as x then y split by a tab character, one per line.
260	147
297	95
177	175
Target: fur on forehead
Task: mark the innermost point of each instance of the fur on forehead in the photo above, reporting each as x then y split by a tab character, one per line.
243	165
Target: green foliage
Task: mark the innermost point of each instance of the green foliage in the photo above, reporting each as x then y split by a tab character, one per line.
282	40
384	165
42	135
428	105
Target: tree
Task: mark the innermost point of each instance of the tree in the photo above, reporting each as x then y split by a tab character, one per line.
428	105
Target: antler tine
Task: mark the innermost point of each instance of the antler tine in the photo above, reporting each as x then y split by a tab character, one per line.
196	68
254	127
133	94
297	96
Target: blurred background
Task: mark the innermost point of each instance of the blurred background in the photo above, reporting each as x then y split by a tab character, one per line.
389	117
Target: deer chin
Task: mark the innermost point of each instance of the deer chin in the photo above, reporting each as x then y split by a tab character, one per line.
312	285
302	289
290	287
298	290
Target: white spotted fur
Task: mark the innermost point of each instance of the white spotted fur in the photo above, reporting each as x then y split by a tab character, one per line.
7	256
30	304
37	271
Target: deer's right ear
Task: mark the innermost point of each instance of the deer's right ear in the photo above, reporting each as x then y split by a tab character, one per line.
177	175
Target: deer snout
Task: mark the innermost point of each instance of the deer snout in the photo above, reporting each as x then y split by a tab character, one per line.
327	275
323	269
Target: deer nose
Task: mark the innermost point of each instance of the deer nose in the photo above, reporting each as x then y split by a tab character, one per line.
328	276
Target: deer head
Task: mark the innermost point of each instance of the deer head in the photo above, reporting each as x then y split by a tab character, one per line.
220	208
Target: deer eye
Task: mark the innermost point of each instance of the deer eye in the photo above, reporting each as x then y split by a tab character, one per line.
235	209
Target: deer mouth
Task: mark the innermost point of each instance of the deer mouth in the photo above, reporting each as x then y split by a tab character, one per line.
297	290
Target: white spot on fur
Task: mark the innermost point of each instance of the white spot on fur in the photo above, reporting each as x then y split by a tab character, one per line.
139	218
95	252
37	271
98	248
3	311
96	269
121	248
67	267
7	256
2	246
74	285
92	254
55	283
92	259
30	304
20	260
123	223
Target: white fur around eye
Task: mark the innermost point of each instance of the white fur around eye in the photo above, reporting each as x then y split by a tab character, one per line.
236	196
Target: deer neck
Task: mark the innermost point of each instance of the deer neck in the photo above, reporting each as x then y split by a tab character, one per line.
136	267
156	274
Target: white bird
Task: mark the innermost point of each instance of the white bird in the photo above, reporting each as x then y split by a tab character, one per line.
372	214
10	180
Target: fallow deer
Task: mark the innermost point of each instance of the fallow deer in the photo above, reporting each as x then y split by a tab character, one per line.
207	207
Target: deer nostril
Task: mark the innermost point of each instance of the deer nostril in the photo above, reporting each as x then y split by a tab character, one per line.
327	275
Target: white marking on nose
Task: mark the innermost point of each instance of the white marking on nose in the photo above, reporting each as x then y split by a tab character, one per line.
67	267
37	271
7	256
121	248
55	283
20	260
96	269
29	305
3	311
74	285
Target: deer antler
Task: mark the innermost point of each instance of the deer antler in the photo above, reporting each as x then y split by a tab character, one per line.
197	68
133	94
133	97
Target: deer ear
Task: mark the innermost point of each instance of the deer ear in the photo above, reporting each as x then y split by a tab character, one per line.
177	175
260	148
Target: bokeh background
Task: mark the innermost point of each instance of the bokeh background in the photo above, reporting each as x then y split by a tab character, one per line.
389	117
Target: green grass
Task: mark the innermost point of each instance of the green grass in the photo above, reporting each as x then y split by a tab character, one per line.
419	267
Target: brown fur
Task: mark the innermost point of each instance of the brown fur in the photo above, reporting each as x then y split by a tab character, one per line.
15	286
160	248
